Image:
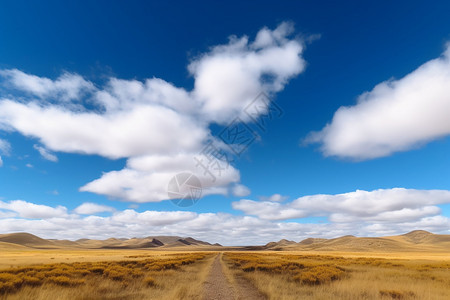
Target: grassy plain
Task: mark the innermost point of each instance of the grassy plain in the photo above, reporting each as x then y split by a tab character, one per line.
127	275
160	274
296	275
14	258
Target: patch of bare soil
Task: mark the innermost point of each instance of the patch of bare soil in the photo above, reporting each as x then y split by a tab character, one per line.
217	287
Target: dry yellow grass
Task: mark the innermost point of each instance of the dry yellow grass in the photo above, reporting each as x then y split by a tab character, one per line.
25	257
143	274
294	276
166	276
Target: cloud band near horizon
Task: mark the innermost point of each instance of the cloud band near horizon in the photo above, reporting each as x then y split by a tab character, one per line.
361	213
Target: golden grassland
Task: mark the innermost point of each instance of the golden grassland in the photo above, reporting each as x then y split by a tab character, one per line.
292	276
412	255
150	274
160	276
28	256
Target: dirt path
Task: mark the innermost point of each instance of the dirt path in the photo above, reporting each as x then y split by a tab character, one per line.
217	287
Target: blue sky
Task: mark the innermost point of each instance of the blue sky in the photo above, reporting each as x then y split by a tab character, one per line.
102	103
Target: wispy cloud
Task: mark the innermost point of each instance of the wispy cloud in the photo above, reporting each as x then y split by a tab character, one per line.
66	87
5	147
45	153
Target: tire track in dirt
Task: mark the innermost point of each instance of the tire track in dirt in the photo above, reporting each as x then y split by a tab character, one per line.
217	287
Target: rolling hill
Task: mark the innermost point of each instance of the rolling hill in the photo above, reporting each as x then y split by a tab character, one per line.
26	240
415	241
418	240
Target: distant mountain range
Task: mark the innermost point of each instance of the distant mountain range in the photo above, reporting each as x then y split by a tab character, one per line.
418	240
20	240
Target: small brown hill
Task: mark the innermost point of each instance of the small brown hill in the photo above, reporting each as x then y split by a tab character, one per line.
9	246
424	239
133	243
351	243
165	239
279	245
310	241
193	241
417	236
25	239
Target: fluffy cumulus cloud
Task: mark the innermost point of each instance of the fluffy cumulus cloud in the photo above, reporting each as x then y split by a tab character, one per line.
158	127
142	129
146	178
378	206
229	77
396	115
224	228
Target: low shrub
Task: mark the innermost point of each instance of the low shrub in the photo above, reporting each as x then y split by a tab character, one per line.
31	280
319	275
9	282
97	270
116	275
149	281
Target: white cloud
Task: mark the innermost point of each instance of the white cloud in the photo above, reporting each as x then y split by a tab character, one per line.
5	147
274	198
230	76
384	205
396	115
401	215
123	134
33	211
67	87
153	218
157	127
7	214
29	166
146	178
268	210
45	153
240	190
125	95
223	228
92	208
